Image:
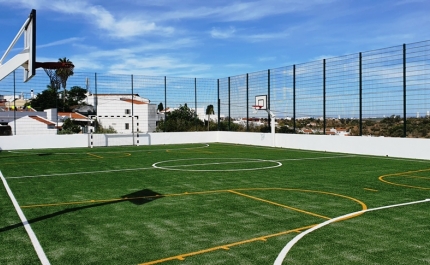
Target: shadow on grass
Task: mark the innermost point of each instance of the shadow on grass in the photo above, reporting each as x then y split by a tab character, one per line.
137	198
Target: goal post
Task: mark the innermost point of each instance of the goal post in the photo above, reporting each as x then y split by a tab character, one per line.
113	131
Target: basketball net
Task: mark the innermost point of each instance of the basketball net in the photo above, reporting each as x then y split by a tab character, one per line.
58	72
256	108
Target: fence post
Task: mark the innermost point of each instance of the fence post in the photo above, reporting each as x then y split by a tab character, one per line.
132	109
195	102
324	99
219	105
96	102
229	117
404	90
247	102
360	87
268	98
294	98
165	103
14	106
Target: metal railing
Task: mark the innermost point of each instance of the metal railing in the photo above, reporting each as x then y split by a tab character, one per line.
384	92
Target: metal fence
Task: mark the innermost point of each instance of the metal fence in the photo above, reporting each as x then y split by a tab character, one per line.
384	92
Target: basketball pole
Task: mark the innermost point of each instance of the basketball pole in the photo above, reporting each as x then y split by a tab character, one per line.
272	126
272	121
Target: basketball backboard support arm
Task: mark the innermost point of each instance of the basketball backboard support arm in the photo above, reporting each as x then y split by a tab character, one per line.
26	58
261	104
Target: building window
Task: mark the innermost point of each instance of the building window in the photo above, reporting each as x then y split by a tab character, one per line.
127	111
127	126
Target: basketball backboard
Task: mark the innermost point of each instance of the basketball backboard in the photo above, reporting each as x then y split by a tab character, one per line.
261	101
27	56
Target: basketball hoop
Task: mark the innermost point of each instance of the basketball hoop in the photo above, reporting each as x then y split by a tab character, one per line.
58	72
256	108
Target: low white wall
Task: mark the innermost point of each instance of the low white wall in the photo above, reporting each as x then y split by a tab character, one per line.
181	138
17	142
261	139
379	146
154	138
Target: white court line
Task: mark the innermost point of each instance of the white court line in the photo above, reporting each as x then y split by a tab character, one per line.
242	160
86	173
290	244
115	152
31	234
167	167
314	158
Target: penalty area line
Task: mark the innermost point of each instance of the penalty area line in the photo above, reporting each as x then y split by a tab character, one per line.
39	250
290	244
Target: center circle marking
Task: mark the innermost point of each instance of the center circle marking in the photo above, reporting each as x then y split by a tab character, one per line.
211	161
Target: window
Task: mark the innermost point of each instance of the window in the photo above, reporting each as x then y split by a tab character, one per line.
127	111
127	126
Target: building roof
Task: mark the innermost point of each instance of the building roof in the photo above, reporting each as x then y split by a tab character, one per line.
73	115
42	120
134	101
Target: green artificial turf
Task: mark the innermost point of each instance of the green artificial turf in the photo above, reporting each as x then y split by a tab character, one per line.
212	204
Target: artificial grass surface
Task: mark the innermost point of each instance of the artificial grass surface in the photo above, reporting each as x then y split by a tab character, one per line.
212	204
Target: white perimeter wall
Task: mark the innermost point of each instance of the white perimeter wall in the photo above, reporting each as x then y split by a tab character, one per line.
16	142
380	146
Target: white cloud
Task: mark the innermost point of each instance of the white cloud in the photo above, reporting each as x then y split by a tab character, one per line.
239	10
115	25
217	33
60	42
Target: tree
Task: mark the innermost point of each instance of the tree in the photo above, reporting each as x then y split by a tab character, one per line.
160	107
48	99
64	74
45	100
209	111
180	120
75	96
70	127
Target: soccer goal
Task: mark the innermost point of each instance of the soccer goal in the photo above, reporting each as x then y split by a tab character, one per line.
113	131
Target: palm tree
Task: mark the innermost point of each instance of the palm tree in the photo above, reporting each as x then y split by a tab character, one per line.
64	74
209	111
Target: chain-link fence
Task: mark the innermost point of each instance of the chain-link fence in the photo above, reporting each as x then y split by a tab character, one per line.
383	92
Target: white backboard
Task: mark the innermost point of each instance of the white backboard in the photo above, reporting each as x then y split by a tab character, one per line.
27	56
261	100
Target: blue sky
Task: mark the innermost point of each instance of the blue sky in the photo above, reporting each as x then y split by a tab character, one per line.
215	39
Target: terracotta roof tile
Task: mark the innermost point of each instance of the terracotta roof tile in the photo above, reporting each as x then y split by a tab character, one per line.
73	115
40	119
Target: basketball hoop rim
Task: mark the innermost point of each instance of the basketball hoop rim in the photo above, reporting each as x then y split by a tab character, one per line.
257	107
54	65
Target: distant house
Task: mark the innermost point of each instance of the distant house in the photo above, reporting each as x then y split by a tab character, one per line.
33	124
72	115
337	131
124	112
307	131
342	132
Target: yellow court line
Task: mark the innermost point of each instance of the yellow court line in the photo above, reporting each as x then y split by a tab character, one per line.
94	155
364	207
369	189
402	174
415	177
281	205
225	247
73	203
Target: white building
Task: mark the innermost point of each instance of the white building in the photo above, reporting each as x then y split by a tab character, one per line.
33	125
124	113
